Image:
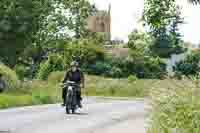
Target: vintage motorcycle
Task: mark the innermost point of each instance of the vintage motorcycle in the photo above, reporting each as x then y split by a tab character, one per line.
71	103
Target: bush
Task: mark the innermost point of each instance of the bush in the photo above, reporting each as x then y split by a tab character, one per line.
108	68
139	41
145	66
117	67
132	78
176	109
22	71
54	63
99	68
116	72
190	66
56	77
10	77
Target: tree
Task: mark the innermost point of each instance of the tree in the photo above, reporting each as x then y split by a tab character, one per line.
139	41
38	24
194	1
79	11
20	21
163	19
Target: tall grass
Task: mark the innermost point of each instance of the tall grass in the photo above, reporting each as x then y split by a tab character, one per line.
176	109
32	93
43	92
100	86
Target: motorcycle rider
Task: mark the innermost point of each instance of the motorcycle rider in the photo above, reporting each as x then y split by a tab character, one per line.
74	74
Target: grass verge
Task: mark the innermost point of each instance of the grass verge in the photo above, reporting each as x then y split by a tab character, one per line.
175	109
47	92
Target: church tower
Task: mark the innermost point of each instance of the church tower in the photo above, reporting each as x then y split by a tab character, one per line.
101	23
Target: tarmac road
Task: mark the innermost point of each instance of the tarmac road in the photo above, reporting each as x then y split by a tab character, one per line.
99	115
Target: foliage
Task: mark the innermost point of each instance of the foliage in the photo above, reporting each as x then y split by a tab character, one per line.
98	68
19	23
86	50
10	77
190	66
139	41
163	19
144	66
194	1
21	71
136	64
176	109
132	78
116	72
26	23
54	63
78	13
56	77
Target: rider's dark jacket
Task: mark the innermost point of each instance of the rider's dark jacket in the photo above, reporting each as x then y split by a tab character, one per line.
76	76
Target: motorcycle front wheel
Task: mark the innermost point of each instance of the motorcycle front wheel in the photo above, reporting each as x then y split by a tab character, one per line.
68	106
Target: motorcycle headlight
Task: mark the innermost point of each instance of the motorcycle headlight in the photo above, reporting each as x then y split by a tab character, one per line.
70	88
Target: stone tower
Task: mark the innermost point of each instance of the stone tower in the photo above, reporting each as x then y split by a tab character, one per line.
101	23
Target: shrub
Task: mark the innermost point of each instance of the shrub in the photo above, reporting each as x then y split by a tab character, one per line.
10	77
132	78
56	77
54	63
21	71
145	66
190	66
139	41
99	68
116	72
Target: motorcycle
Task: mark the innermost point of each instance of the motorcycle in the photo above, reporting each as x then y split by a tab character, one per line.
71	103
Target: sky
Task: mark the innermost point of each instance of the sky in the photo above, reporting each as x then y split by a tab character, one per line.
126	14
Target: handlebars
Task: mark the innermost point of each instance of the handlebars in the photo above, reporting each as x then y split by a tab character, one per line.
70	83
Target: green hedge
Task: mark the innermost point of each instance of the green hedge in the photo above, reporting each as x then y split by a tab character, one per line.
55	62
10	77
190	66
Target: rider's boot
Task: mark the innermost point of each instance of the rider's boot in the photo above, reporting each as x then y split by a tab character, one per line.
79	103
63	104
79	100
